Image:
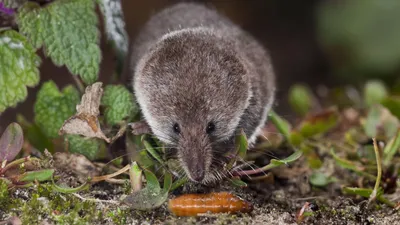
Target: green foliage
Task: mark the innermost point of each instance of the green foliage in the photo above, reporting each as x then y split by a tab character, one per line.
374	92
319	124
35	135
40	175
300	99
152	195
119	104
281	124
391	149
319	179
372	122
89	147
53	107
71	210
393	105
4	194
18	70
68	31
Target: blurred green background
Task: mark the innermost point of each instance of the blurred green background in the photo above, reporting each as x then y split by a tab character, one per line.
316	42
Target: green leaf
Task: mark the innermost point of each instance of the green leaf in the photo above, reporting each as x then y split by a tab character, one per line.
275	162
241	145
167	181
393	105
238	182
35	135
11	142
351	166
391	149
372	122
53	107
152	151
18	70
68	31
68	190
282	125
374	92
152	196
319	179
178	183
40	175
89	147
119	104
319	123
300	99
366	192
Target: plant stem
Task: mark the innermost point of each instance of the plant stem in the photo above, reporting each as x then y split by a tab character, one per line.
79	83
379	175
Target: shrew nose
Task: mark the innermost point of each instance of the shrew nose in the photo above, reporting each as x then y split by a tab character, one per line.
198	175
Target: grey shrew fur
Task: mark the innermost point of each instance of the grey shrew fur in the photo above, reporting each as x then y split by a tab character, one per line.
191	67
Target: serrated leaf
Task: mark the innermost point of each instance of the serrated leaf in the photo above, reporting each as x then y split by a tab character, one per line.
300	99
89	147
18	70
53	107
68	31
40	175
11	142
119	104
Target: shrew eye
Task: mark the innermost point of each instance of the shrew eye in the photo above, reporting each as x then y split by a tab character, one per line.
177	129
210	127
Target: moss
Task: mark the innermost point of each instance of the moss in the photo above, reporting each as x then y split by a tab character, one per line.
62	209
119	216
4	198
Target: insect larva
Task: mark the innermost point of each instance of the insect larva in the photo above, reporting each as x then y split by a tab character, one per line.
216	202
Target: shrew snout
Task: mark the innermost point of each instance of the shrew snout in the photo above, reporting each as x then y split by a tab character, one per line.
194	151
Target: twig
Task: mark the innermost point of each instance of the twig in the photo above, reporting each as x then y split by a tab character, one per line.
109	176
96	200
79	83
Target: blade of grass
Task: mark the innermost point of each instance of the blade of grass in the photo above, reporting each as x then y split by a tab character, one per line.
373	195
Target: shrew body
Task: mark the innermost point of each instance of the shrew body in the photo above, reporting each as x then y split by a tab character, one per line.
199	79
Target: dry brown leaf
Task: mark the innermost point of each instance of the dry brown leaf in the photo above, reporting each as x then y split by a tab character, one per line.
77	164
85	122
